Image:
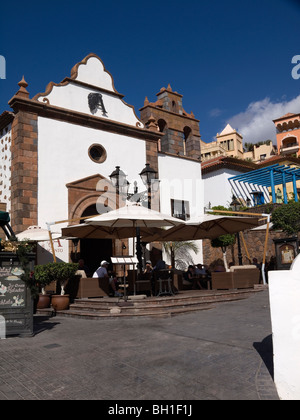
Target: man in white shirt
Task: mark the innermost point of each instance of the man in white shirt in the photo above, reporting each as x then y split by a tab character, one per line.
102	273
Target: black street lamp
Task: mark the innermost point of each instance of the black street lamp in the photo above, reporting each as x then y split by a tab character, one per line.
119	181
236	205
148	176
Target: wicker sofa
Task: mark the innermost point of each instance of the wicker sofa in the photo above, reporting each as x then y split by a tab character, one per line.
239	277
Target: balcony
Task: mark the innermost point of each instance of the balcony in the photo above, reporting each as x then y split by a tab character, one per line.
289	148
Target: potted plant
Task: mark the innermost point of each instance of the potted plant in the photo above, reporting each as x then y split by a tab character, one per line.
43	275
62	272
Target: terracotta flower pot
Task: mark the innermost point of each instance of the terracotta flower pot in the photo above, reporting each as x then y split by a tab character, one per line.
43	301
60	302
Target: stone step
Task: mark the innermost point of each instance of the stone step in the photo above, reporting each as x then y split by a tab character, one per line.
92	305
180	297
163	306
157	313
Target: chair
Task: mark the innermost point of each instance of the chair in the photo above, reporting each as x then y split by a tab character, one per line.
139	282
93	287
143	283
239	277
163	282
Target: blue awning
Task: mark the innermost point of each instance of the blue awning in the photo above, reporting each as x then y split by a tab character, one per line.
260	180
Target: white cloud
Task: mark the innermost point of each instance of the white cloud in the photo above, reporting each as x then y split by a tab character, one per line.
256	123
216	112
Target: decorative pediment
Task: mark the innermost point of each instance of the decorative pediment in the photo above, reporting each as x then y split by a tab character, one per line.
88	184
90	90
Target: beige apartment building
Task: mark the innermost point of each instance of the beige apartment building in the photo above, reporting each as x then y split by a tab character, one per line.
230	143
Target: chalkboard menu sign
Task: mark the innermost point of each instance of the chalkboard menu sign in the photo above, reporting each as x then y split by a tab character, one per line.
15	299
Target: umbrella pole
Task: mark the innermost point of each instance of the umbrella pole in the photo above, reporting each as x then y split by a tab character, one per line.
124	280
138	248
265	252
245	246
51	242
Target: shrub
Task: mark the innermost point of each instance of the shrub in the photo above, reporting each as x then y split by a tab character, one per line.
287	218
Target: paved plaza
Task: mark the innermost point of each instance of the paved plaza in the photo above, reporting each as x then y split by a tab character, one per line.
224	353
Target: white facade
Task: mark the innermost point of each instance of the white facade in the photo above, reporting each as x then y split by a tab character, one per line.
73	94
68	120
63	147
63	154
217	189
180	179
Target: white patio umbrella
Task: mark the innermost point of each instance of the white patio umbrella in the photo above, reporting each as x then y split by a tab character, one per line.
36	233
90	231
134	216
205	227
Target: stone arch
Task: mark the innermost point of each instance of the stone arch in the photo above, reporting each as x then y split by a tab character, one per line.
89	191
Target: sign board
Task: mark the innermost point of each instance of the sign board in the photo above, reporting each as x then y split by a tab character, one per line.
124	260
16	308
286	252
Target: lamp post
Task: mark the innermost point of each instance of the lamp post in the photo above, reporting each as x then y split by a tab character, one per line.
148	176
119	181
236	205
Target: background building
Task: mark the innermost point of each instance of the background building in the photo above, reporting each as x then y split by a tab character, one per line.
288	134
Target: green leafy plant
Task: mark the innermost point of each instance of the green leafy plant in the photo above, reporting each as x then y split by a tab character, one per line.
223	242
62	272
43	275
287	218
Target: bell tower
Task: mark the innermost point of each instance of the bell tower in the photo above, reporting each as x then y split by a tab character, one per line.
181	133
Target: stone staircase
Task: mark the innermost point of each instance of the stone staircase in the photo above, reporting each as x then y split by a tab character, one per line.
139	305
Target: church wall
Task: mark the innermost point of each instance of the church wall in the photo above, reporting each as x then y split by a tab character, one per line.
63	158
24	171
75	98
180	179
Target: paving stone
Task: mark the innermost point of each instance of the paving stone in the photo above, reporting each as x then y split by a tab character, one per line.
224	353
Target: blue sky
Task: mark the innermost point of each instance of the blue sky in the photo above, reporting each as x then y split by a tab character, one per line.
231	60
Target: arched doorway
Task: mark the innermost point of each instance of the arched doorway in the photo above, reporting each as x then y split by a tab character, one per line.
93	251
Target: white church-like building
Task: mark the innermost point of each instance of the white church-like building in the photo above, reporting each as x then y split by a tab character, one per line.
60	147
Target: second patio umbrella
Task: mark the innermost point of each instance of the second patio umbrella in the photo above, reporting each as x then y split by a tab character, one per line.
205	227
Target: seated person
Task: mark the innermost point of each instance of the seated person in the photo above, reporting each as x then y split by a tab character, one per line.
101	273
160	265
200	270
256	263
217	266
148	268
83	267
190	276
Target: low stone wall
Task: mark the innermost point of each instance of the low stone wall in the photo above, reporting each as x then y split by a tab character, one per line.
254	240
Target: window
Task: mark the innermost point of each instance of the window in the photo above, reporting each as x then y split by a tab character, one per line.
97	153
180	209
186	136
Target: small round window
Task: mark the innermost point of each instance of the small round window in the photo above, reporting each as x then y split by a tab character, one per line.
97	153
